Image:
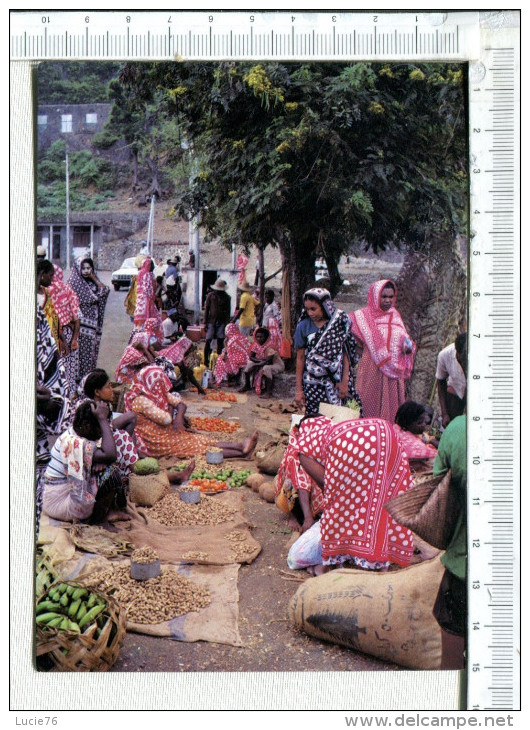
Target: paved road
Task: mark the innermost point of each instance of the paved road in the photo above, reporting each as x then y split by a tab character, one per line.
116	327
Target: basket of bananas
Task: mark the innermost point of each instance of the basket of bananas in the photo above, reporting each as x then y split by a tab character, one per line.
78	629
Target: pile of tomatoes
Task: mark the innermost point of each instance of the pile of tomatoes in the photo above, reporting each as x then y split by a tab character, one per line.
213	424
220	395
209	485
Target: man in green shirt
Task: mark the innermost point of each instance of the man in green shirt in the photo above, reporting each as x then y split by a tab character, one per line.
450	605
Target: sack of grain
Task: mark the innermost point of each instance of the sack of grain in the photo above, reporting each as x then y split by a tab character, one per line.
146	491
255	481
266	491
387	615
269	457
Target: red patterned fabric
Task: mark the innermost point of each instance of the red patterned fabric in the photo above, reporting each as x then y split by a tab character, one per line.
64	298
276	334
145	298
413	446
383	368
365	467
133	358
383	333
290	467
234	356
241	265
262	352
152	382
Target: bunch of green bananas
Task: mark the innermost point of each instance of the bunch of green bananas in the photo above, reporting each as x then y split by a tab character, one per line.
69	608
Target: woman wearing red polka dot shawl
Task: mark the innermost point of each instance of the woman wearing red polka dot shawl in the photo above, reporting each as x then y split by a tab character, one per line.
361	466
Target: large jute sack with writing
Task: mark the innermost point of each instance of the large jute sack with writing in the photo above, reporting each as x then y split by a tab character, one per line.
386	615
147	490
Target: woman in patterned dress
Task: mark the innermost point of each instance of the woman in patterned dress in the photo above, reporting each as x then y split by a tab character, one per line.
387	352
92	295
234	356
53	405
66	306
145	307
360	466
145	348
160	428
325	354
97	387
263	364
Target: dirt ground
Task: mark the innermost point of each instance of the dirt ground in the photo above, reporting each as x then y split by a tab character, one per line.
265	586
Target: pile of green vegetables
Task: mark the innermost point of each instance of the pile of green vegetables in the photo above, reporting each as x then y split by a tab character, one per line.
233	477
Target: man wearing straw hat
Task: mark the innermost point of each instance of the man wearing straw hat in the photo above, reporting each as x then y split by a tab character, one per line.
216	316
246	310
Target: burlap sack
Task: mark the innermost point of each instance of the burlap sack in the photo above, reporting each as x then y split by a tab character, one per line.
269	457
387	615
145	491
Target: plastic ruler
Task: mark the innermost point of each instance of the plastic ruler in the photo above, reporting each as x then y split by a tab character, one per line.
489	43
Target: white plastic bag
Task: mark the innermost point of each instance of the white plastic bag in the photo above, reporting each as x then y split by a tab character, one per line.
307	550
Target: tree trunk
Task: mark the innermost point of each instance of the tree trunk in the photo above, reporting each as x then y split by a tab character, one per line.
134	184
154	187
335	279
432	301
261	280
298	263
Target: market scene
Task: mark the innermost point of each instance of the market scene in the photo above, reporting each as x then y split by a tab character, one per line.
251	368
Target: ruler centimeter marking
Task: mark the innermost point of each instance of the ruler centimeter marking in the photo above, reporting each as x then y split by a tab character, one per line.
493	431
494	581
201	36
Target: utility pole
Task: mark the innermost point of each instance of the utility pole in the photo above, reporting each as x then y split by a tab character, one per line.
194	246
150	227
67	214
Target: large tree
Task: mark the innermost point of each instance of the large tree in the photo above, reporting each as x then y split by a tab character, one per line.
312	157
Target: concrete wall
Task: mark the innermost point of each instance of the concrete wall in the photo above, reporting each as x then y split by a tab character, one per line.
82	132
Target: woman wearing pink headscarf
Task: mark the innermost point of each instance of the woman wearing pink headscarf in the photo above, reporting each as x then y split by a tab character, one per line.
161	424
234	356
144	348
388	352
145	297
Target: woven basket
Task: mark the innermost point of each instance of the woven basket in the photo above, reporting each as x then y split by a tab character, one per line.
118	403
428	509
68	651
147	490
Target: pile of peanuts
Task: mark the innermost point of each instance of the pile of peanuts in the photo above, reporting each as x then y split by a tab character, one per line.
195	555
155	600
144	555
238	543
173	512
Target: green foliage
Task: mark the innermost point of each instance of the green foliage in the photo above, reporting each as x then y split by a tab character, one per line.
79	82
306	155
87	173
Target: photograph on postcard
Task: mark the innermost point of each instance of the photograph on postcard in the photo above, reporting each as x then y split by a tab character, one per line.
251	366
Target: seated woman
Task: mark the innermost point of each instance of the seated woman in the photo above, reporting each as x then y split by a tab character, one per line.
234	356
360	465
412	420
161	429
96	386
263	364
145	347
302	495
82	480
